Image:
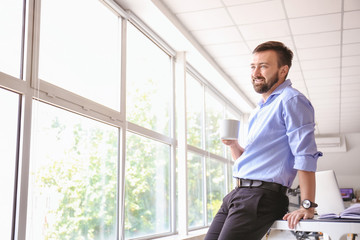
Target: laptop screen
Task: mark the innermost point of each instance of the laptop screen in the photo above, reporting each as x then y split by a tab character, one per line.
328	195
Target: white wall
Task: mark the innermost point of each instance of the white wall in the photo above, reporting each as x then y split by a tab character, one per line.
345	164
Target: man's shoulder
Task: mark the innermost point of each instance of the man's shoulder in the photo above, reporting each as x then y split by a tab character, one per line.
292	98
289	92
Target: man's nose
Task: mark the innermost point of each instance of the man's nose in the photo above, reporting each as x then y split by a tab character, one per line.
256	72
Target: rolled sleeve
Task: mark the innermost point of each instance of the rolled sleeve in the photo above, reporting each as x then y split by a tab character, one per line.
307	163
299	120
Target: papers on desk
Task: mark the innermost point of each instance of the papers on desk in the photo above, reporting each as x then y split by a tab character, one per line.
352	212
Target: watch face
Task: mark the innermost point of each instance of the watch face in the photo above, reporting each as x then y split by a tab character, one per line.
306	204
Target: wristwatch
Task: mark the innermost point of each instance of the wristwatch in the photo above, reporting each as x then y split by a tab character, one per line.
308	204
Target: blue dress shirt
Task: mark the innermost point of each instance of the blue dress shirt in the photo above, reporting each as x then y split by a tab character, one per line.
280	138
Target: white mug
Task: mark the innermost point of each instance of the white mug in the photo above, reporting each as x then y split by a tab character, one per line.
229	129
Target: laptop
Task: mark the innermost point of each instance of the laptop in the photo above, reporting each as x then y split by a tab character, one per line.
328	195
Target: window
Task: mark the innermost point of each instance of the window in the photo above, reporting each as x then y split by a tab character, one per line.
147	187
71	124
229	113
216	186
73	177
9	103
11	22
209	156
214	111
195	190
149	83
231	180
195	106
81	52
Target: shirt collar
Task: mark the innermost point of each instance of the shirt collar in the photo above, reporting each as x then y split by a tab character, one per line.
277	91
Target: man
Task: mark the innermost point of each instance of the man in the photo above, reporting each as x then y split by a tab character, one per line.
280	144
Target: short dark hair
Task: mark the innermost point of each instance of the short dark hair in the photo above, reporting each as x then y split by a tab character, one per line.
285	55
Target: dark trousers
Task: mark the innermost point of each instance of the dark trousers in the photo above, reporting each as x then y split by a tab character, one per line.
247	214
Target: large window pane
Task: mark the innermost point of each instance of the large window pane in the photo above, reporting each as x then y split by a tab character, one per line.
214	113
231	179
231	114
8	128
73	177
195	190
216	186
147	188
148	83
11	35
80	49
195	106
232	183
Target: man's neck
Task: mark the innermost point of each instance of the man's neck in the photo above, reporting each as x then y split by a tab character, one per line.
266	95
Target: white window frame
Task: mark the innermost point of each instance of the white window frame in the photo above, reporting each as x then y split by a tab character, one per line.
33	88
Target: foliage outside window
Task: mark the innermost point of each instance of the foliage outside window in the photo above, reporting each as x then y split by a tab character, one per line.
73	182
149	83
73	177
231	180
195	190
147	174
147	188
195	106
231	115
218	173
216	186
214	112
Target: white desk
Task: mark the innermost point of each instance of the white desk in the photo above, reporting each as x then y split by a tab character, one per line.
335	229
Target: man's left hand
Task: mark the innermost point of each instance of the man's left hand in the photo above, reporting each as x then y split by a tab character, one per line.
294	217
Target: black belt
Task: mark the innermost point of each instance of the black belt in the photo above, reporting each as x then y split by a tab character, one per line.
246	183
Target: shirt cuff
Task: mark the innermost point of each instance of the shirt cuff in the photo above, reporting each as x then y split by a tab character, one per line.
308	162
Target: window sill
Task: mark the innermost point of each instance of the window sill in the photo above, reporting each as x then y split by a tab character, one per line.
193	235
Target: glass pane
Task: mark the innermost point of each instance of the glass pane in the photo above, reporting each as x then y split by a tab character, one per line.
8	128
11	34
148	83
73	177
147	187
231	115
216	186
231	179
195	106
81	52
195	189
214	113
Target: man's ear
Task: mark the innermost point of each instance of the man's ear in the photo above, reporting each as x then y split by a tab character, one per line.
284	70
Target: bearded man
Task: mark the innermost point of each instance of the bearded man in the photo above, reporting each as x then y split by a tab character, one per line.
280	144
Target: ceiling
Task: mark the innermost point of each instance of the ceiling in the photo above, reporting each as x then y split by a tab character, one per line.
323	34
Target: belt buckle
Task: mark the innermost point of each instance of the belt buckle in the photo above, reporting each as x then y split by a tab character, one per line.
245	183
249	183
256	183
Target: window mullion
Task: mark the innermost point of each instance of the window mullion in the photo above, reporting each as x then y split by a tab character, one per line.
182	144
22	201
205	158
122	142
173	151
32	35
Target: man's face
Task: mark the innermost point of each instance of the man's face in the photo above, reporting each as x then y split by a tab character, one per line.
265	71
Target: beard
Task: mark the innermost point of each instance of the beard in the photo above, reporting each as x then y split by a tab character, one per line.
265	86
